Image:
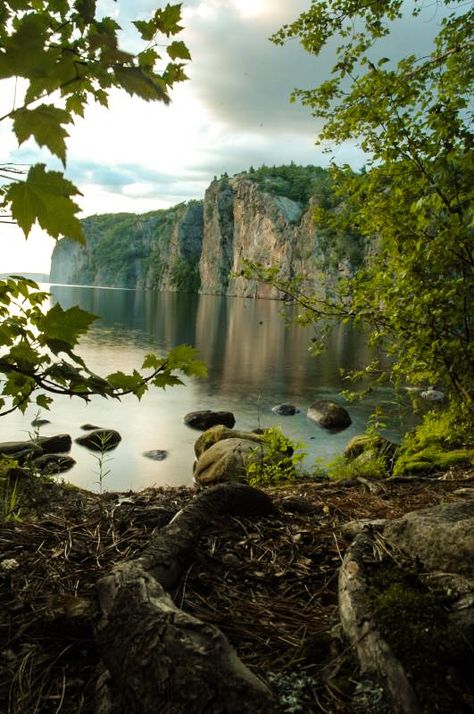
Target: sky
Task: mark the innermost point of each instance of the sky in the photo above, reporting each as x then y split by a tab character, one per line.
233	112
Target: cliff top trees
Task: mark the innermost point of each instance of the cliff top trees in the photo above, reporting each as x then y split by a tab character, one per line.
62	55
412	118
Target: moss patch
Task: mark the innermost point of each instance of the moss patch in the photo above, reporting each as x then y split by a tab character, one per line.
414	621
432	458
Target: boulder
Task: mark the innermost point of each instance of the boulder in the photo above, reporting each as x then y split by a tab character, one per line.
156	454
441	537
329	415
51	464
285	409
203	420
219	433
224	461
365	442
89	427
100	440
59	444
44	444
408	607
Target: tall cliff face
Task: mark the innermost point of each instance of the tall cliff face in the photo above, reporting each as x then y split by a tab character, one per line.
160	249
200	245
243	221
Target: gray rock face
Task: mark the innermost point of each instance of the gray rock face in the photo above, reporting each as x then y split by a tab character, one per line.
442	537
205	419
285	409
329	415
100	440
200	242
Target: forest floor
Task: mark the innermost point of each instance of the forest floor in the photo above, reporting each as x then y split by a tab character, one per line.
270	584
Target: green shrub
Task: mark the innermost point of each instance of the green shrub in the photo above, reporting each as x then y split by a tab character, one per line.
275	460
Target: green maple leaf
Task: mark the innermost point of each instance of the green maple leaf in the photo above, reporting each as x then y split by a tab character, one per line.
146	29
45	124
178	50
64	326
167	20
45	196
135	80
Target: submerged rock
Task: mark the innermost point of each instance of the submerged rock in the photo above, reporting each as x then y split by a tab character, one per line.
204	419
156	454
285	409
51	464
329	415
40	422
100	440
89	427
432	395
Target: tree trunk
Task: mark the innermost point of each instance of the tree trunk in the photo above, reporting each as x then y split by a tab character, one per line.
159	658
374	654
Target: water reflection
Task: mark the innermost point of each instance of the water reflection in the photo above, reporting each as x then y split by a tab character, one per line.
254	360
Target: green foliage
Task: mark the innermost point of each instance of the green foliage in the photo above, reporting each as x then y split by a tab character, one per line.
102	458
442	440
67	56
274	460
10	496
300	183
368	464
10	499
185	276
38	354
413	205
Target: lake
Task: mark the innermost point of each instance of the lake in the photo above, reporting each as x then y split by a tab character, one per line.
255	361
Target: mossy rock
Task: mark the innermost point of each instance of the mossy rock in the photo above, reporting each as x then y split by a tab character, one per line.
430	459
366	442
219	433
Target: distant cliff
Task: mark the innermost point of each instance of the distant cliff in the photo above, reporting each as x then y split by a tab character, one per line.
199	246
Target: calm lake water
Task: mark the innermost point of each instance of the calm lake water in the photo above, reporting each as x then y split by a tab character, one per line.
254	360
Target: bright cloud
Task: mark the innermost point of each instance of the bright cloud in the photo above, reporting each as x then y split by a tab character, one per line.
234	112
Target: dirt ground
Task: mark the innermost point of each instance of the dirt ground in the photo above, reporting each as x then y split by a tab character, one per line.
269	584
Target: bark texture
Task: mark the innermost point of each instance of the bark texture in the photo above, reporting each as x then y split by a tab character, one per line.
374	653
159	658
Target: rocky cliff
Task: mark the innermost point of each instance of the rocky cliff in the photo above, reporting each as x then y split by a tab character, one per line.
200	245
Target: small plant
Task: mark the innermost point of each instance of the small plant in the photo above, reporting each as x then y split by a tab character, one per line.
9	494
10	501
274	460
367	465
103	442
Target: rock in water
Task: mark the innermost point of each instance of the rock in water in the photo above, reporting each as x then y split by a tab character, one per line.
156	454
285	409
44	444
329	415
203	420
432	395
100	440
53	464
